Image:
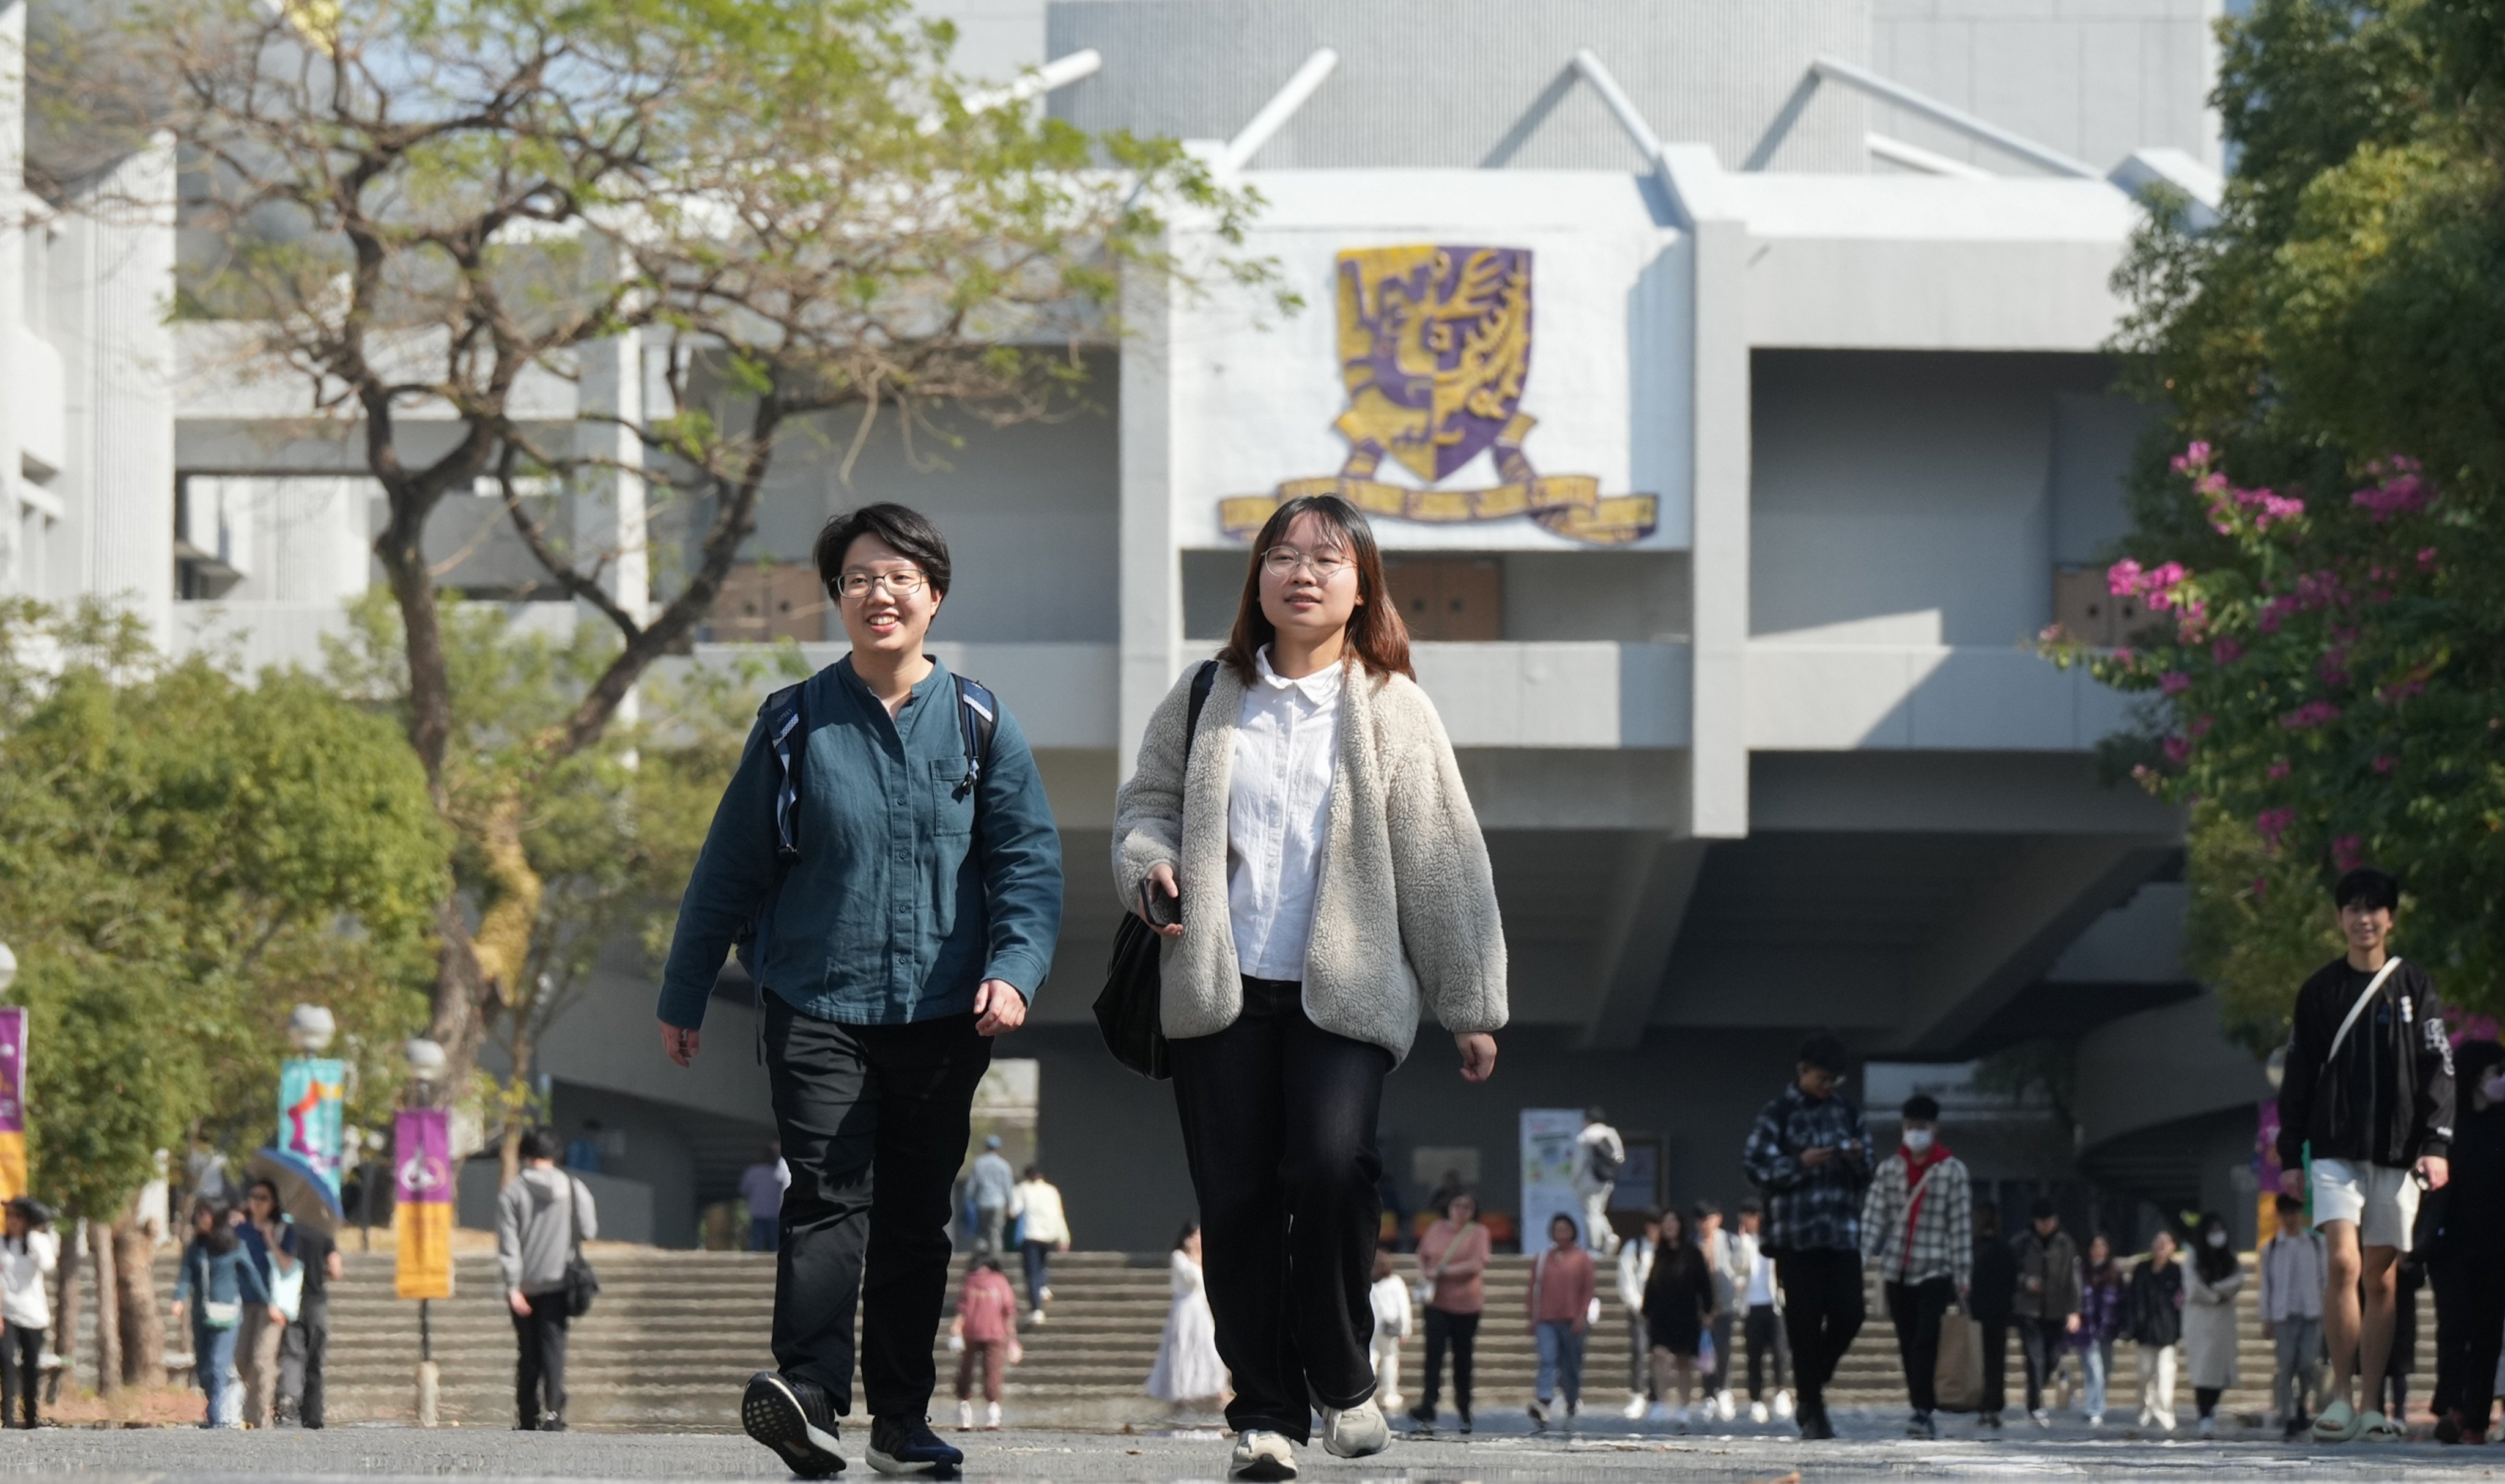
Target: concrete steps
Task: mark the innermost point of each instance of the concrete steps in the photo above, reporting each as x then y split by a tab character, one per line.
675	1334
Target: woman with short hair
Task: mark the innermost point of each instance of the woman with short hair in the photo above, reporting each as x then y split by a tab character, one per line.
1298	830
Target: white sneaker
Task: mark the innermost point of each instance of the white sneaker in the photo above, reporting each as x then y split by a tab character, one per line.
1635	1407
2208	1426
1354	1432
1784	1406
1036	1318
1261	1454
991	1416
1757	1411
965	1417
1043	1295
1724	1405
1659	1413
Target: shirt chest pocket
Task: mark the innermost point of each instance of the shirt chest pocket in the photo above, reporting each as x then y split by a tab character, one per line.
952	798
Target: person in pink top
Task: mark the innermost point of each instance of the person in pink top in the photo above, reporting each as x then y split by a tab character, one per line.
1561	1312
1452	1260
985	1333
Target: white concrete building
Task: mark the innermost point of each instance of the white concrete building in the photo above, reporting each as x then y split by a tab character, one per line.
1770	438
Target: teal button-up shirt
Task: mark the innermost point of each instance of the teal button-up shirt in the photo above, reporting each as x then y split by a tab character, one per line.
910	889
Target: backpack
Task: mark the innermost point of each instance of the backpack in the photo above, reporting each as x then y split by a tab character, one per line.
786	719
1605	1164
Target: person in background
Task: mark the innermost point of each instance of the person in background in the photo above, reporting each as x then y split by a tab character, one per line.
1395	1205
1394	1318
582	1154
303	1346
760	1188
2209	1292
2100	1303
982	1334
1917	1226
1043	1229
1452	1262
1728	1261
2046	1306
1763	1329
1635	1268
1598	1156
29	1254
1678	1313
2154	1314
2292	1267
267	1242
214	1284
541	1217
1446	1191
1559	1303
2410	1276
1990	1304
2465	1227
1809	1150
2368	1098
988	1188
1187	1372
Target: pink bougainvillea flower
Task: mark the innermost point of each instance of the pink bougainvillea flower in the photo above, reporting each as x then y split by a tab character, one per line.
2311	714
2277	770
2226	651
2385	762
2348	852
2122	579
2426	558
2178	750
2175	683
2271	823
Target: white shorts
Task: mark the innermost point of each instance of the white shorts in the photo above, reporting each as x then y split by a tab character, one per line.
2383	1201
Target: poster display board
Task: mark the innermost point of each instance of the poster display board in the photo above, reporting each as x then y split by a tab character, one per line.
1548	1171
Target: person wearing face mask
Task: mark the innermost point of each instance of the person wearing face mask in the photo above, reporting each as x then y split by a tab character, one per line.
2209	1292
2463	1229
1917	1225
887	857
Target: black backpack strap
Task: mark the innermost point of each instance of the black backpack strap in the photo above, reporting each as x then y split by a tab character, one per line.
978	717
1202	679
786	734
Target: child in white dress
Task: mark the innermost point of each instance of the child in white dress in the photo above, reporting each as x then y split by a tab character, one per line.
1188	1369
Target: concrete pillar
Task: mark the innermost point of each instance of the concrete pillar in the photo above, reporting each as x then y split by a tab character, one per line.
113	273
608	499
1719	750
13	274
1151	652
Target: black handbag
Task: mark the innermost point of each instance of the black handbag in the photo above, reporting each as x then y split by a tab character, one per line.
1129	1006
581	1284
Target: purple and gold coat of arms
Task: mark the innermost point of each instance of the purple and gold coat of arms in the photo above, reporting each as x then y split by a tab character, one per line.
1435	348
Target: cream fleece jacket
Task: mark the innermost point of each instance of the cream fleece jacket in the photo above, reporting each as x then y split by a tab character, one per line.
1405	915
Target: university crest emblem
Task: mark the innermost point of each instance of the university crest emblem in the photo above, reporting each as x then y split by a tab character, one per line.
1435	348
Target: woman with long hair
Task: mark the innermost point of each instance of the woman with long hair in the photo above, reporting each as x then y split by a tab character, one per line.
213	1286
1678	1306
1320	878
2210	1338
1188	1370
2101	1298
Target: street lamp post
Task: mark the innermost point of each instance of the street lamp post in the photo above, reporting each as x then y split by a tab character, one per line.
425	1065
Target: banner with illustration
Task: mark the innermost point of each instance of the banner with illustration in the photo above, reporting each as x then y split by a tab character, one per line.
311	1094
13	1102
1548	1171
422	1214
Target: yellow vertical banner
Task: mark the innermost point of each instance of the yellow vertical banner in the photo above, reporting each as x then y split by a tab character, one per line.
422	1213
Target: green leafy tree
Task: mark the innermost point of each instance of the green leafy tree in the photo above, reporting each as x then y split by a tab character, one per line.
433	214
2318	543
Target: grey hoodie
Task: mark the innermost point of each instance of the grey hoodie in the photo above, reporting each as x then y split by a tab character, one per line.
535	1234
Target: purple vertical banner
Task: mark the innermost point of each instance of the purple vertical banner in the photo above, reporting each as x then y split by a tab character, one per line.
13	1102
422	1221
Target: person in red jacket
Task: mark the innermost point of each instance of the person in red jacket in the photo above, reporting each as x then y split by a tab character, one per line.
1561	1309
984	1334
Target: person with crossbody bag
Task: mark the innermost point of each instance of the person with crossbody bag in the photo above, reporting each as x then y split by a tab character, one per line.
1918	1224
542	1219
2368	1098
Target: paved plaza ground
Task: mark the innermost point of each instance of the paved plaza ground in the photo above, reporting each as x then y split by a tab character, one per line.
1868	1451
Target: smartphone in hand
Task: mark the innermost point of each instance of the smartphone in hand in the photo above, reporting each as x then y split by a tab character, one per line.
1160	909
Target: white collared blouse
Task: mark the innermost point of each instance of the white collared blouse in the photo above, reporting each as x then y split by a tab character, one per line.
1278	812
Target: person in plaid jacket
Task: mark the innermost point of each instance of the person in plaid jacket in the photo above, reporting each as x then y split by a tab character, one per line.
1810	1155
1918	1224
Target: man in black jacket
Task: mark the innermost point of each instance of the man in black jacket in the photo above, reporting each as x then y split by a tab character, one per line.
2368	1093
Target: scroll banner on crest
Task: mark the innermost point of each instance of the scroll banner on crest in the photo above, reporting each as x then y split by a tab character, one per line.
422	1213
311	1113
1435	351
13	1102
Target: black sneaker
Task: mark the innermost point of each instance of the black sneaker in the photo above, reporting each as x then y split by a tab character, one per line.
1422	1415
907	1445
793	1417
1923	1427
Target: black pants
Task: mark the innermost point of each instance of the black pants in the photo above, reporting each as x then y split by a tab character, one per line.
1995	1370
21	1359
539	1375
2469	1331
2204	1399
1822	1311
1037	1257
302	1346
873	1120
1763	1333
1914	1308
1278	1125
1461	1331
2045	1340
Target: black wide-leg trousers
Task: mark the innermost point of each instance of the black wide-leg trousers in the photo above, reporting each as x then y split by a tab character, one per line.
1279	1125
873	1120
